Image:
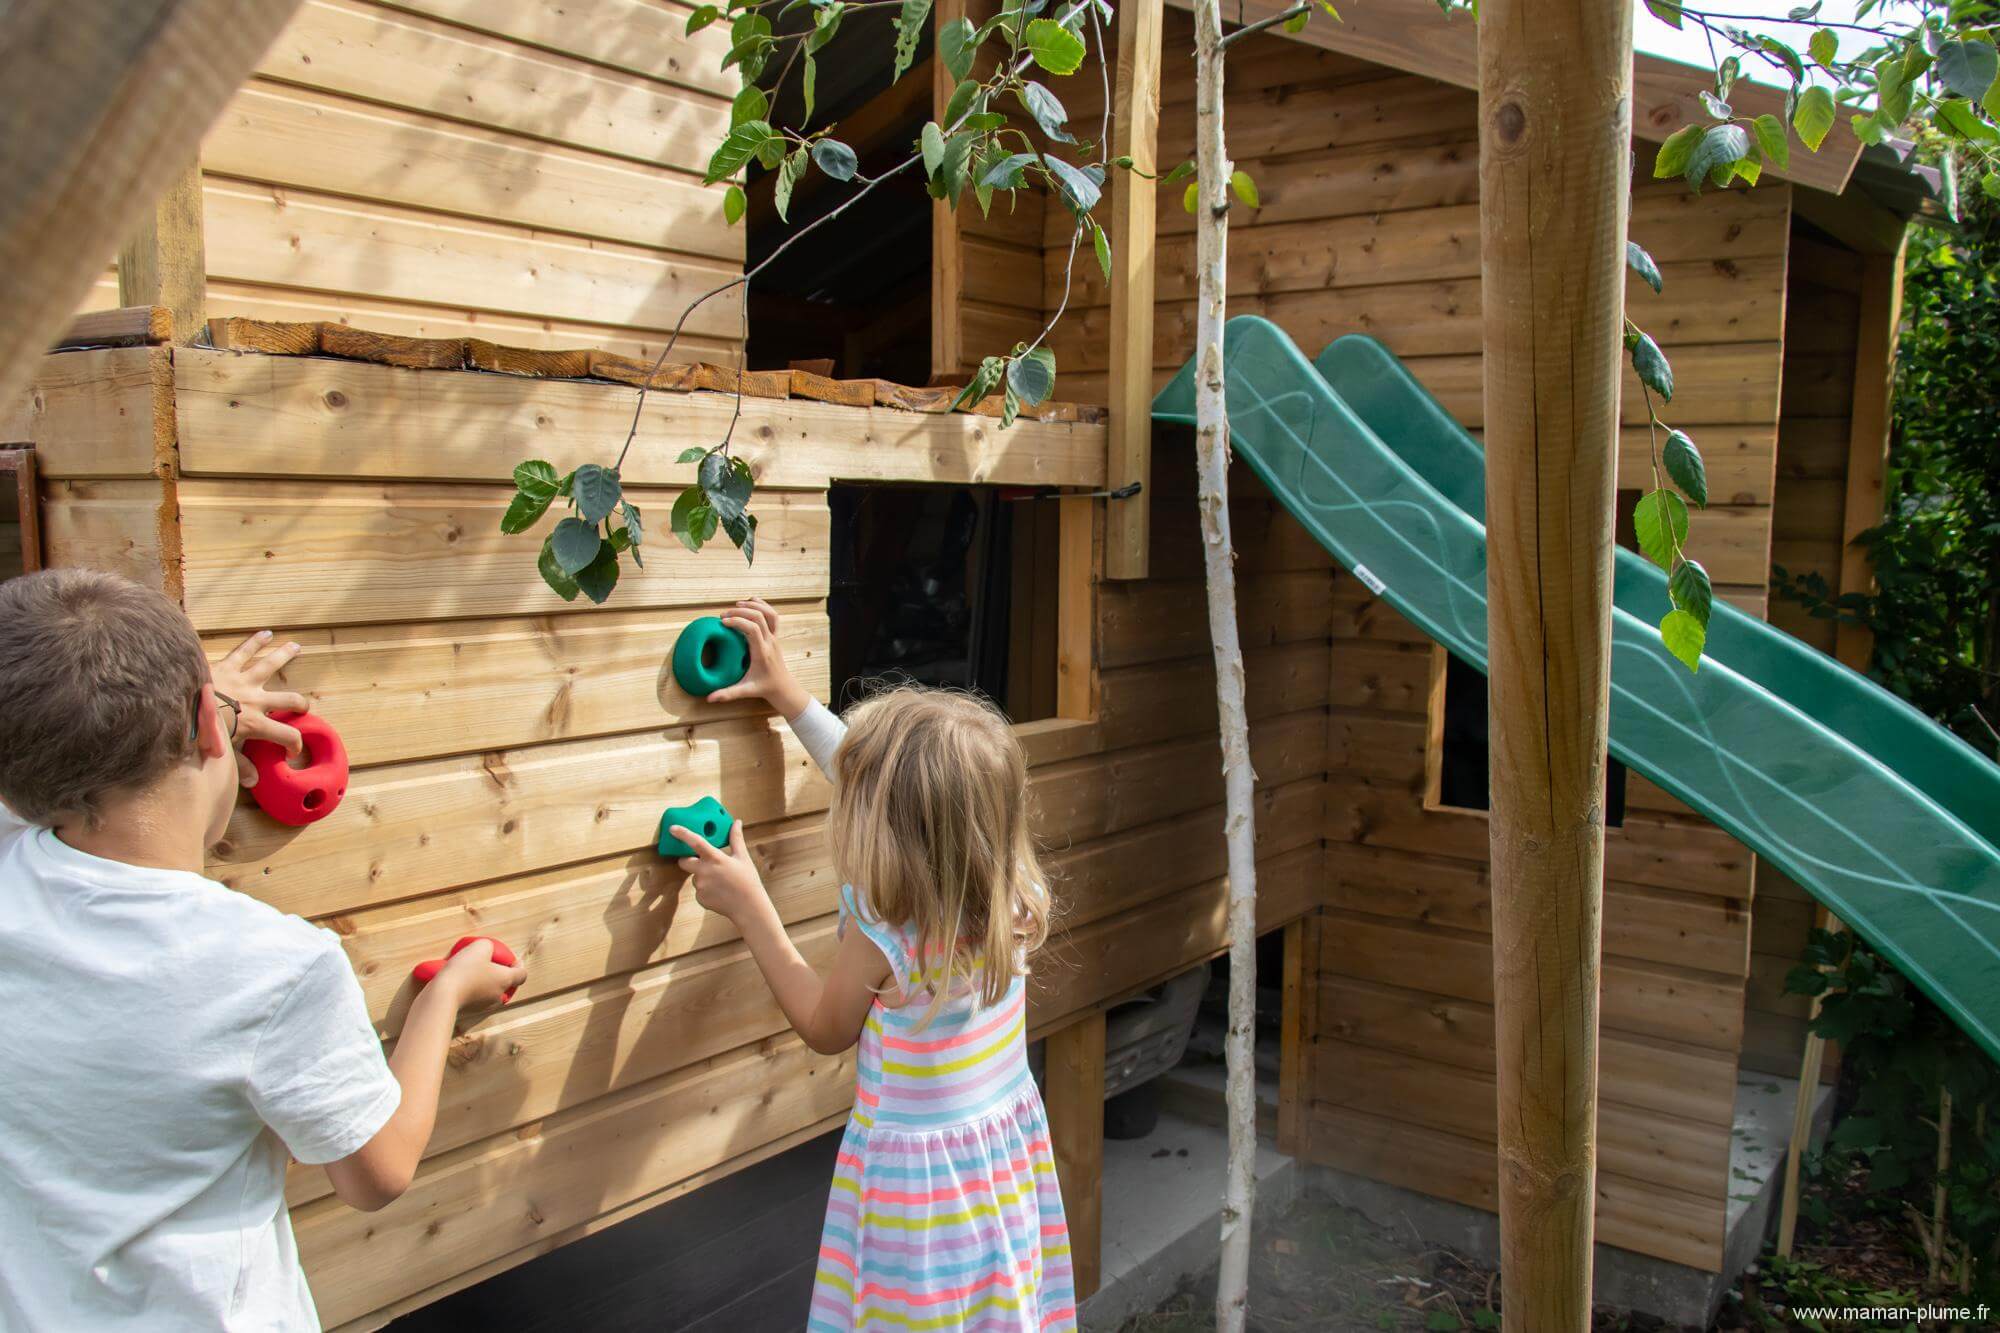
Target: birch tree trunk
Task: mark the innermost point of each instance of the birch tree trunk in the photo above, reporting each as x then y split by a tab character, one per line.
1212	170
1555	108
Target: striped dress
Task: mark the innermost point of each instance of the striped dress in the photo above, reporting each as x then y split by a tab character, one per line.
944	1212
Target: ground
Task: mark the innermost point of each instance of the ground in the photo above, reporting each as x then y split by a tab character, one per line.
1319	1265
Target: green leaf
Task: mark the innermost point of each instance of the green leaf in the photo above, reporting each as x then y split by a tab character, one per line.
1772	140
596	579
1642	264
1948	184
1868	129
1666	11
1892	92
1957	119
1968	67
1178	174
909	31
1715	106
981	383
1691	591
809	85
1684	467
1651	363
826	26
743	531
1989	185
694	453
1046	109
1785	56
1813	116
1080	186
1102	244
1684	636
1675	152
727	484
575	544
1824	48
1010	407
553	573
597	492
750	104
1191	196
1005	173
535	477
524	510
702	16
1720	145
634	527
1660	521
1033	375
1054	47
692	519
734	204
1443	1321
790	173
953	166
737	149
958	44
960	103
1297	22
931	144
1245	188
835	158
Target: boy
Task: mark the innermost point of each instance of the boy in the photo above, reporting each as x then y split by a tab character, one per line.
164	1040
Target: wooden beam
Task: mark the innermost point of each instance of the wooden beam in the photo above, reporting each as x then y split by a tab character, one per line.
1869	421
1854	220
1135	131
1078	561
17	472
1415	37
165	262
1075	1077
125	326
947	258
119	96
1555	98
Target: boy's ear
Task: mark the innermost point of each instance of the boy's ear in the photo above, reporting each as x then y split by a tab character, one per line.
210	739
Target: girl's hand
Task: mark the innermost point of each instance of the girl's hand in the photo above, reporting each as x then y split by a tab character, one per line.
241	676
725	880
474	980
768	678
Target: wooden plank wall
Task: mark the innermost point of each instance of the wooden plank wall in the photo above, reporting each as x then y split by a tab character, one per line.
1369	222
513	753
1814	446
522	173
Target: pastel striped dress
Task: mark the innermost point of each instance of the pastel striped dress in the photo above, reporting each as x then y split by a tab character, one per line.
944	1212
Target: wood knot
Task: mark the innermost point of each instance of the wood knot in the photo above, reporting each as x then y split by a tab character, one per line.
1510	122
335	399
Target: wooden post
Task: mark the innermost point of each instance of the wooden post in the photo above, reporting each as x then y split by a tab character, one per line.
1075	1076
165	263
1868	435
1078	544
1135	131
947	257
1555	107
1296	1023
119	97
17	473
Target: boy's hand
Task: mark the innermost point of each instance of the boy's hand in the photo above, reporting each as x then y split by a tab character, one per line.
474	980
242	675
768	678
725	879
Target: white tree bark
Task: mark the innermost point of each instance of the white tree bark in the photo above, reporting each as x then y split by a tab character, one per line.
1219	558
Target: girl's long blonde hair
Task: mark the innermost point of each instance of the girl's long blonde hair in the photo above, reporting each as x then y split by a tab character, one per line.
930	826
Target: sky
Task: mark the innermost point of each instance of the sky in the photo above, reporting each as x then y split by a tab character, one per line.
1690	45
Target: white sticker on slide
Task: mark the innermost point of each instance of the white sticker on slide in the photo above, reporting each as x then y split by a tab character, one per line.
1367	576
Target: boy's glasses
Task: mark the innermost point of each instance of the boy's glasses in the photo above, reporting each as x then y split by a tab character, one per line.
194	722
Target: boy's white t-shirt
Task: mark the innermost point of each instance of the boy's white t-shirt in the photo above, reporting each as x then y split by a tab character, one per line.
163	1042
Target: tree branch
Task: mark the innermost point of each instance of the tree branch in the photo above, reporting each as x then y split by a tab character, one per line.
1269	21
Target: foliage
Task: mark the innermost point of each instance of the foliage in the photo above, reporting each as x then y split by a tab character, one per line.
1935	613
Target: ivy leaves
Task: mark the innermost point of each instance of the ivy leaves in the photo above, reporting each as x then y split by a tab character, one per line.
581	554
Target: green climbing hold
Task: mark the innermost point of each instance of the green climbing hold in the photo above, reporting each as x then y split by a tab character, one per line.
706	817
709	655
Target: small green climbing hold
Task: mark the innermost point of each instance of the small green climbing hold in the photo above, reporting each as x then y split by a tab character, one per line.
709	655
706	817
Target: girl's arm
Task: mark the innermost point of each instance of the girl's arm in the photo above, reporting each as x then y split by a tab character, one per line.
826	1012
772	681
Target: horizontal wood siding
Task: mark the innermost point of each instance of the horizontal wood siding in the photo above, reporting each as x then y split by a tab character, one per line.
445	169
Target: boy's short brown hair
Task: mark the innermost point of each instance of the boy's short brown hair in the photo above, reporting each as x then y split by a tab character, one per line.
97	683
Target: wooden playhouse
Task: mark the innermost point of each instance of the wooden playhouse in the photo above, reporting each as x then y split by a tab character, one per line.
437	234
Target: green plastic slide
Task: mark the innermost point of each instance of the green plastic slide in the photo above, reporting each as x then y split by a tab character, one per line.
1884	816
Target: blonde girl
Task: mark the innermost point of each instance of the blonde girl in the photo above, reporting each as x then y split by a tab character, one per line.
944	1211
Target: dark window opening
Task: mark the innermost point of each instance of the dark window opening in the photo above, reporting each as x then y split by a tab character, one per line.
945	585
20	529
1462	732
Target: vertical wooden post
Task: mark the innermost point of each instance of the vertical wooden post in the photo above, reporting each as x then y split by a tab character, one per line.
1079	544
1075	1077
1135	131
947	258
1868	435
1802	1109
1296	1023
165	263
1555	107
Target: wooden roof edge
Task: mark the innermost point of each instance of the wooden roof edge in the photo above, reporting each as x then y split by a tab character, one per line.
1416	37
344	342
126	326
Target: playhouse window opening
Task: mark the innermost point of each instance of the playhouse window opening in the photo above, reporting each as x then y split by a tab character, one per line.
944	585
1460	720
20	540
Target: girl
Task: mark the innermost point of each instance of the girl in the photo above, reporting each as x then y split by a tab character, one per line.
944	1213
